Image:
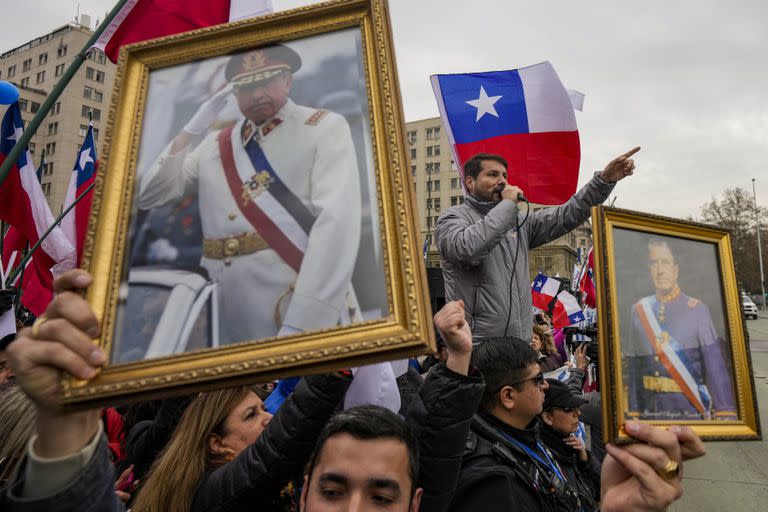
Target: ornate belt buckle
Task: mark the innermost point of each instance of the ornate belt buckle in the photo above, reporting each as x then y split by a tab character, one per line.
231	247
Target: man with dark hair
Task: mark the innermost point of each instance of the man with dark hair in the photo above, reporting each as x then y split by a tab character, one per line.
676	368
484	242
366	458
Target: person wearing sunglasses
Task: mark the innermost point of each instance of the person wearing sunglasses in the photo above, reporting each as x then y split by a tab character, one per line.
559	426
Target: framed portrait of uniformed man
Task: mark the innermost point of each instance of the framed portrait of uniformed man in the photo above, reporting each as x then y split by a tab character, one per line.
254	214
673	344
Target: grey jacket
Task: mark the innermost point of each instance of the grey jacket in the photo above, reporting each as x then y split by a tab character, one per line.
479	248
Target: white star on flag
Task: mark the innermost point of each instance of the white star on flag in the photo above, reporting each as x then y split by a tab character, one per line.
484	104
85	157
17	131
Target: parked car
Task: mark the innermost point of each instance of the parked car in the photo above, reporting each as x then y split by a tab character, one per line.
748	307
165	312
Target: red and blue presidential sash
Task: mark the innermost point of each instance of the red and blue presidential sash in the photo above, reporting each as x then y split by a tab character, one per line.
275	212
671	354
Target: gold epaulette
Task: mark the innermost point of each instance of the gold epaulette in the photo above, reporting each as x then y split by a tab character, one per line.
316	117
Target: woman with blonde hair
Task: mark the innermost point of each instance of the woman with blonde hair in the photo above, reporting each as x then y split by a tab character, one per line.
543	343
228	453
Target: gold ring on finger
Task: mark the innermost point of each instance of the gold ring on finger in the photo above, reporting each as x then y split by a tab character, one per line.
670	472
36	326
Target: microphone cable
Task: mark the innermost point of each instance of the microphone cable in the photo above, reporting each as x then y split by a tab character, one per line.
522	198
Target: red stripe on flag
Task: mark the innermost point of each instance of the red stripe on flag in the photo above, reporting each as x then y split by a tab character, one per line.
544	165
149	19
255	215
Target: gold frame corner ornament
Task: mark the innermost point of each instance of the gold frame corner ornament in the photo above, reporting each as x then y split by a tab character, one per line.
406	330
605	220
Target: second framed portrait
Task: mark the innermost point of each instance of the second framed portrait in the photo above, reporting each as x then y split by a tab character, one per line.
672	338
254	214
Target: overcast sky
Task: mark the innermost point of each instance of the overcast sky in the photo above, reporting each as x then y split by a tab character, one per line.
686	80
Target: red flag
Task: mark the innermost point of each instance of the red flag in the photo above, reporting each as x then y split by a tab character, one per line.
141	20
36	287
587	285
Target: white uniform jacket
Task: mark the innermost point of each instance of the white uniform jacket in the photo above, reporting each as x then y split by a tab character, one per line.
312	153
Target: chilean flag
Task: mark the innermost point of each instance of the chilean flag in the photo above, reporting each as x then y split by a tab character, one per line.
587	283
35	296
524	115
543	290
567	311
23	205
75	223
141	20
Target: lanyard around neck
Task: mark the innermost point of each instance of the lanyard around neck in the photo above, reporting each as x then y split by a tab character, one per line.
548	462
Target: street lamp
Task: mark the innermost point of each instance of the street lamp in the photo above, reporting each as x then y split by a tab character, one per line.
759	245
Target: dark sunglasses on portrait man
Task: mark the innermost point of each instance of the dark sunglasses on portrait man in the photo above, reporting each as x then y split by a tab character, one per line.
537	379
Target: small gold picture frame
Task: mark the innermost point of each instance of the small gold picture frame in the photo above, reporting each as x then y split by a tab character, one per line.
673	344
253	216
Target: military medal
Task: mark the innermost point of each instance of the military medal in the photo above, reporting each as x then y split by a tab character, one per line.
257	184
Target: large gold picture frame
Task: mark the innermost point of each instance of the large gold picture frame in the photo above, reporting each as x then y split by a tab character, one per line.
404	326
659	279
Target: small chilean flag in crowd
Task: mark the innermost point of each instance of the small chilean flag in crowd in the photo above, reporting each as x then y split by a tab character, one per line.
141	20
567	311
587	283
524	115
75	223
543	290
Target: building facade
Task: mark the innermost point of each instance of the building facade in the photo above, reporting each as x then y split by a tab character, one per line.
35	67
438	185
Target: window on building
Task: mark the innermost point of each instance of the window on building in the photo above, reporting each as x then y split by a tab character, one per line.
433	133
437	150
26	65
413	153
97	56
33	106
95	113
53	128
429	204
60	69
461	199
436	167
50	148
429	186
413	170
61	51
47	189
40	77
25	82
437	185
23	105
48	169
98	95
429	221
11	71
93	74
434	219
42	59
437	203
429	168
411	137
83	130
454	200
95	134
87	92
429	150
56	108
453	166
454	182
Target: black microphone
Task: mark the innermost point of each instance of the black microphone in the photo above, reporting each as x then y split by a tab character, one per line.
520	196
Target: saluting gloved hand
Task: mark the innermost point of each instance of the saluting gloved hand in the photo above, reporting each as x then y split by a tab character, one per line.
208	111
162	251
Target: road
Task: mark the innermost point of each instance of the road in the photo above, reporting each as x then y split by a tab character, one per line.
734	475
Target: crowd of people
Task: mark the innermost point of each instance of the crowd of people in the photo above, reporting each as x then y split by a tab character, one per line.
480	428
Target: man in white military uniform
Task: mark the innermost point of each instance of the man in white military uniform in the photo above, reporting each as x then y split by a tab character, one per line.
279	200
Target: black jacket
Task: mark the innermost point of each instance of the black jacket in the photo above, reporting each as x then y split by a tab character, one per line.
260	472
583	477
496	475
147	438
439	418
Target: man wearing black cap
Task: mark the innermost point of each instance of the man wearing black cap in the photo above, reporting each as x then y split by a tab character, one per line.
279	200
559	424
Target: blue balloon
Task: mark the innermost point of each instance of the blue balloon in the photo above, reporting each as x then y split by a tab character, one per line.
8	93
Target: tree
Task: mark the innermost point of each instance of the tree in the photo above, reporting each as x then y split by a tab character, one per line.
736	211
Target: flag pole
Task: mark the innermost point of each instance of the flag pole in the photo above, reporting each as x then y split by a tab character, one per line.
54	224
21	144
